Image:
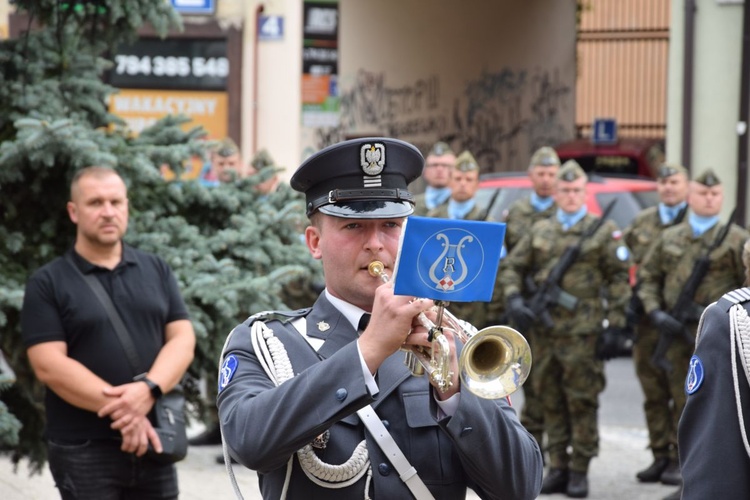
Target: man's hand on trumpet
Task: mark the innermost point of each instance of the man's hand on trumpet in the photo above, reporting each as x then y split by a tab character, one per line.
395	323
420	337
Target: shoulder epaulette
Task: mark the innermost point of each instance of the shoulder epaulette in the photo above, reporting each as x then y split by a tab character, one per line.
282	316
738	296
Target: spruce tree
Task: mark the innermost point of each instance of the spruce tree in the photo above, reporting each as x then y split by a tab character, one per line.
233	251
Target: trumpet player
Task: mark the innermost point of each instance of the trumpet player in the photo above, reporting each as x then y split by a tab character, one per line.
319	402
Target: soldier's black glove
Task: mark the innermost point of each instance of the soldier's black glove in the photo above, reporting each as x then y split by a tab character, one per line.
522	316
665	323
634	310
608	344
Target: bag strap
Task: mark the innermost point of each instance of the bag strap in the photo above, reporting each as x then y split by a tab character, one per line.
114	317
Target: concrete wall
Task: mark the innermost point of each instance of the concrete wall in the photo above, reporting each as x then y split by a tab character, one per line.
494	77
718	38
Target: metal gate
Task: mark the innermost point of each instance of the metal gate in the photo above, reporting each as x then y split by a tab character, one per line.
623	50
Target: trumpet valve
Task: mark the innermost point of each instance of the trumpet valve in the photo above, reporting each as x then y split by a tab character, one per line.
412	362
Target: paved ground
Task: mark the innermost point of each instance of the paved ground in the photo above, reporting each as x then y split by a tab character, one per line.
612	475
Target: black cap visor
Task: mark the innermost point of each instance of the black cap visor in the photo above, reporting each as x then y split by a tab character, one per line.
369	209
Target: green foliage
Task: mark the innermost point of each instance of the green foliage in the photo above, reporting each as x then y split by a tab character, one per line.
10	426
233	251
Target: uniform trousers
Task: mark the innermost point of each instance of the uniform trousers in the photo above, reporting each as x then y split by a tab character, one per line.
658	388
99	470
569	380
663	392
532	413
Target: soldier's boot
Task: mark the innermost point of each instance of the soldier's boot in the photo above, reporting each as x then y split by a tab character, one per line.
556	481
653	472
578	485
674	496
671	474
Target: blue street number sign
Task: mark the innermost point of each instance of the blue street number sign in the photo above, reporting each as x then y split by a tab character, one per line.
605	131
271	28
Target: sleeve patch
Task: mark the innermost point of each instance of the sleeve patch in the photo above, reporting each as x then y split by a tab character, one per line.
228	369
623	253
695	375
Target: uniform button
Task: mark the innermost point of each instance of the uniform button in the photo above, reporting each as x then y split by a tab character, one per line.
384	469
386	424
341	394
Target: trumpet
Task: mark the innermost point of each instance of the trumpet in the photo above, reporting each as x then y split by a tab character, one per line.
495	361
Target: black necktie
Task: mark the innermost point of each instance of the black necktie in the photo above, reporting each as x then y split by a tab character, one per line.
363	322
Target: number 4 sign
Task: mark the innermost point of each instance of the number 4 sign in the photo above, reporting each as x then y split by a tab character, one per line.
270	28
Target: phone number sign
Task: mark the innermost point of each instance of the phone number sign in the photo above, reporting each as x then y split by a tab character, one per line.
189	64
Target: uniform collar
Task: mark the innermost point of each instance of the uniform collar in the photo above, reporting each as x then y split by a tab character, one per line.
540	204
434	197
351	312
460	209
568	220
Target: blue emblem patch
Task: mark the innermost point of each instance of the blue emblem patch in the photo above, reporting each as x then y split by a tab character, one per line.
623	253
695	375
228	369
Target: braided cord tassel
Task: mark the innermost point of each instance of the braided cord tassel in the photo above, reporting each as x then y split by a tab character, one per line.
275	361
740	338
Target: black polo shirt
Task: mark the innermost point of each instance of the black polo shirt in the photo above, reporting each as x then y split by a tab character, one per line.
59	306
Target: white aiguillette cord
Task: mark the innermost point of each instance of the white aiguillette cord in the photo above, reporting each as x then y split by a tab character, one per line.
407	473
739	339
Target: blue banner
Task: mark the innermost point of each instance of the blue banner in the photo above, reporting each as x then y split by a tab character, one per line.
448	259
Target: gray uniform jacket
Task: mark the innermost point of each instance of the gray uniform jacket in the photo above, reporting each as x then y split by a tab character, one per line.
713	458
483	445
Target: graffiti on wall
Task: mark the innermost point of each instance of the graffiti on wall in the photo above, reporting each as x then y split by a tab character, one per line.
500	116
504	116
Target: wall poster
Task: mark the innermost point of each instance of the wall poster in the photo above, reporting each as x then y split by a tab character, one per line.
320	64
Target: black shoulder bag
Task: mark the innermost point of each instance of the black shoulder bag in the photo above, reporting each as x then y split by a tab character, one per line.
168	413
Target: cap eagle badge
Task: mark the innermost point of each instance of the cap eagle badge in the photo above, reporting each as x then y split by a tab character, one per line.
372	158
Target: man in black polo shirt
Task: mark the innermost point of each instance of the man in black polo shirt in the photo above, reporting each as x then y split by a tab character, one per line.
98	429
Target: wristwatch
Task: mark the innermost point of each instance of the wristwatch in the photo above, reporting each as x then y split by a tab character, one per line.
153	386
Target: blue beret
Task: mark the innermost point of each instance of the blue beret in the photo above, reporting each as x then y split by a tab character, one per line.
364	178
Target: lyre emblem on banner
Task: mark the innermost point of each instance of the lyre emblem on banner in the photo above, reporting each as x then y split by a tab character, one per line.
452	262
449	260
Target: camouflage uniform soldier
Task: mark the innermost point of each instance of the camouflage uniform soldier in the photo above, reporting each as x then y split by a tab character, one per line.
639	236
437	174
464	184
540	204
667	267
462	205
568	358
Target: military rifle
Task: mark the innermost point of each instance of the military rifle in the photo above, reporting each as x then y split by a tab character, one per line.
685	309
550	292
635	308
680	216
491	204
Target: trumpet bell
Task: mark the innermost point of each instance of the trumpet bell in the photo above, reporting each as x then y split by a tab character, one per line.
495	362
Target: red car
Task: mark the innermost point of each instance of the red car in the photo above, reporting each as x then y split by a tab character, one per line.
633	194
628	156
